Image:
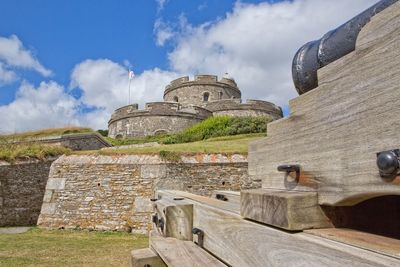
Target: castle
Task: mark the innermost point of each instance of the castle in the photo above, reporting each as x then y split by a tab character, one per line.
187	102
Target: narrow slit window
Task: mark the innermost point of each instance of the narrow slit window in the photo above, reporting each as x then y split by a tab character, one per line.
205	97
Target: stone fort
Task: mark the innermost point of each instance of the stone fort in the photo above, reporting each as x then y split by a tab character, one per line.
187	102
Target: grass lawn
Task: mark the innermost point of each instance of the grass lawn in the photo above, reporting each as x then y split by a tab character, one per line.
39	247
225	145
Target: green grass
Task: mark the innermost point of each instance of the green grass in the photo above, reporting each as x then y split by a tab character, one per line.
11	152
43	133
39	247
237	144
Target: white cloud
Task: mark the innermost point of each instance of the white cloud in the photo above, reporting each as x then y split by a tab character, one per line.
256	43
104	84
161	4
6	75
42	107
14	54
163	32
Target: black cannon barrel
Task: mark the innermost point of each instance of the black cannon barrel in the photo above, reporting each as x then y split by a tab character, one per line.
332	46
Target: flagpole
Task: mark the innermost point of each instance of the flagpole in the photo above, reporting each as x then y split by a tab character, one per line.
129	98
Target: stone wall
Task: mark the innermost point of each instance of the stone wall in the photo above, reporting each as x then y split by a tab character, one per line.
253	108
157	117
22	186
192	91
113	192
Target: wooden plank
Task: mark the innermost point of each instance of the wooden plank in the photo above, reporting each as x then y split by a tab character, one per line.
288	210
384	245
224	205
177	215
146	257
239	242
178	253
229	196
335	130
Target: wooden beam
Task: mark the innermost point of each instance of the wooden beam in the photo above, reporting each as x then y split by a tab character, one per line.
288	210
239	242
178	253
384	245
335	131
146	257
177	216
224	205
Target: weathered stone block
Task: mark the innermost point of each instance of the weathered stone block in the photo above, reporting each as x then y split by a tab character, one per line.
153	171
47	195
48	208
56	183
143	204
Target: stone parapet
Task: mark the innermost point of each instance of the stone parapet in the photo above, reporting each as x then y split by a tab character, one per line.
156	118
185	90
233	107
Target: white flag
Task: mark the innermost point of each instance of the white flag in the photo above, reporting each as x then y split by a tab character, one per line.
131	75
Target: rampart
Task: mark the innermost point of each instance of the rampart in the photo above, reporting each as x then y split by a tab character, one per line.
234	107
76	141
113	193
200	90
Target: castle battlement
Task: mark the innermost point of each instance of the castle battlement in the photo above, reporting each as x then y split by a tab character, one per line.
235	107
160	109
185	81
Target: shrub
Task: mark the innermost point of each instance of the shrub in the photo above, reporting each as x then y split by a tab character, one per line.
219	126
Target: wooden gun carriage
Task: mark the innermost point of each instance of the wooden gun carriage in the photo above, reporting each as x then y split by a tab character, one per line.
330	191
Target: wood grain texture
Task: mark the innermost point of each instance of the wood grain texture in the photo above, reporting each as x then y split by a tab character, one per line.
334	131
224	205
178	253
288	210
177	216
146	256
239	242
384	245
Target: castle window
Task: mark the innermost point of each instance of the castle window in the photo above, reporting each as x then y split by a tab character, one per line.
206	96
220	94
176	99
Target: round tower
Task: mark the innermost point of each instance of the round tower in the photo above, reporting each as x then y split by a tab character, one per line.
202	90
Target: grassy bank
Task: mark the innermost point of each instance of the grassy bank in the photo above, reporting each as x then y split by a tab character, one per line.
225	145
43	133
68	248
13	152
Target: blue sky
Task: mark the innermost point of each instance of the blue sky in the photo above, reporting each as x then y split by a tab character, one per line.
64	62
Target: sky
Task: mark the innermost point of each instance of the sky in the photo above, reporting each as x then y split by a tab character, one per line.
65	63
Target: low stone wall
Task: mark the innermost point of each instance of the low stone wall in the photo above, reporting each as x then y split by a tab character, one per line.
252	108
114	192
22	186
156	118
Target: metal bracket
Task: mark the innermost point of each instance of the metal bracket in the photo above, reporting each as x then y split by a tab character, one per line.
290	168
198	236
221	197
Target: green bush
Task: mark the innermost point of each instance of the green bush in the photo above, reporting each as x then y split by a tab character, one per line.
219	126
